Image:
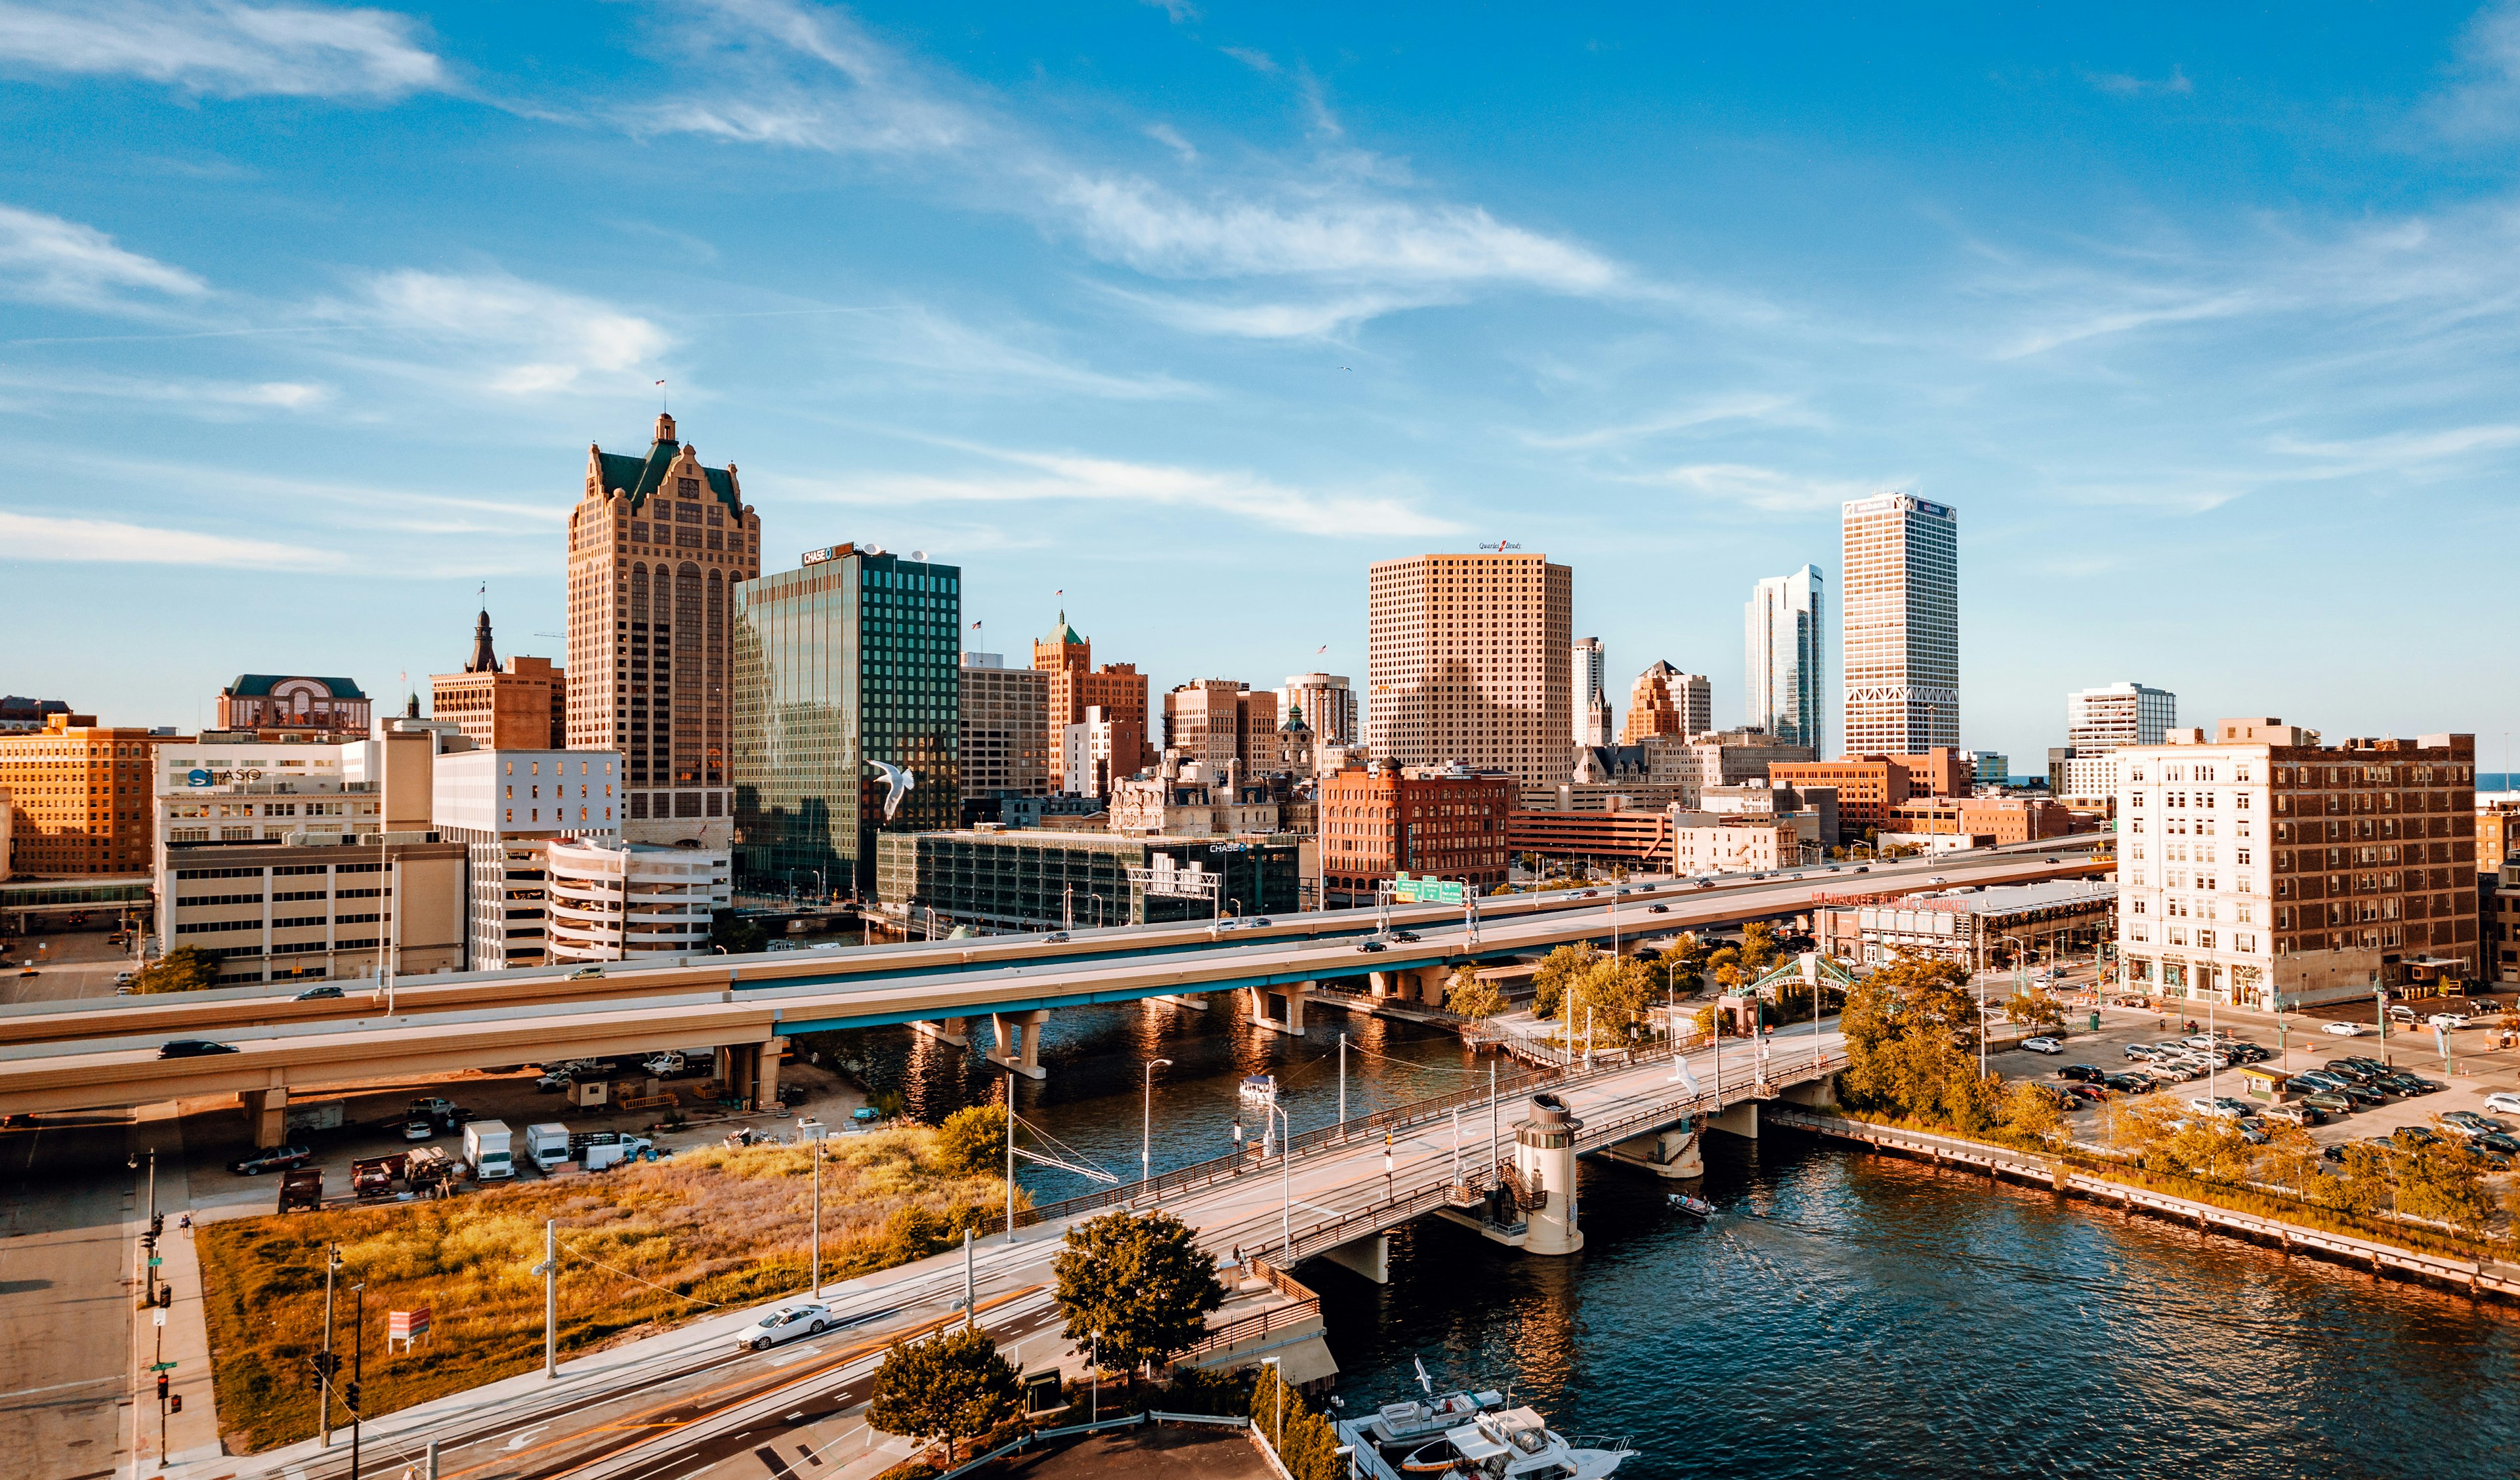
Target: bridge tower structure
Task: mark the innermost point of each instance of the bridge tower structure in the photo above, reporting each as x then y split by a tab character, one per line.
1544	1163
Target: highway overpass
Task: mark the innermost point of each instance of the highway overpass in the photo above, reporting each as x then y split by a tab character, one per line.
104	1053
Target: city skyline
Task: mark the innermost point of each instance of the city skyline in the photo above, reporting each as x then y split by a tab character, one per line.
1023	287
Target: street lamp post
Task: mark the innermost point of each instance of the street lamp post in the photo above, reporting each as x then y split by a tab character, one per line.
1146	1123
1342	1081
324	1391
1279	1375
358	1364
1285	1186
811	1132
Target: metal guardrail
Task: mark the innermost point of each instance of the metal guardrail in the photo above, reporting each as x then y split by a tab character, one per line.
1233	1333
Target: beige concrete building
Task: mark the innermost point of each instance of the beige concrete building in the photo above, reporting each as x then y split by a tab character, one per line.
618	901
1708	842
655	544
1211	721
330	707
1468	664
1899	603
2258	866
1004	742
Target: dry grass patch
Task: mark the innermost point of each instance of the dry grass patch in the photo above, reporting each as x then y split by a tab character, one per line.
643	1246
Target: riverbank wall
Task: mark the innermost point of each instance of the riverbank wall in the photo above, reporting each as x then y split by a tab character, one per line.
2476	1277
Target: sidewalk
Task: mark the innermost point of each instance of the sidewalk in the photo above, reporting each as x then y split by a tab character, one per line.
192	1435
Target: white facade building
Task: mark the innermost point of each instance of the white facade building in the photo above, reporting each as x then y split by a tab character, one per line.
262	793
1901	606
1784	657
1085	754
618	901
1589	698
506	806
2100	720
1327	702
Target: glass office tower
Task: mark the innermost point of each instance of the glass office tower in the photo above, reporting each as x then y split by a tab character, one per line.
1784	657
853	657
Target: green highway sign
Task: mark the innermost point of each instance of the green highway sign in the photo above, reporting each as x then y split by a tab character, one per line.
1426	891
154	1261
161	1367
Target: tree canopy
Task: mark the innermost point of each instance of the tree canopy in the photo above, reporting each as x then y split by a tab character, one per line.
1139	1283
1557	970
952	1386
1471	996
972	1140
182	970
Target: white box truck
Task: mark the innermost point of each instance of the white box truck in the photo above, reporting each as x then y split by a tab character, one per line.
319	1115
547	1144
487	1151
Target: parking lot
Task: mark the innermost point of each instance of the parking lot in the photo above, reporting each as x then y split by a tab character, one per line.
2297	1042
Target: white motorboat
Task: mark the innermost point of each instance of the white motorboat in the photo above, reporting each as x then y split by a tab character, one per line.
1401	1424
1513	1444
1259	1091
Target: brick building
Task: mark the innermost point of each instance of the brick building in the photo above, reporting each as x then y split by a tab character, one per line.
521	707
81	796
1118	690
1870	787
2003	818
1433	822
294	704
2258	866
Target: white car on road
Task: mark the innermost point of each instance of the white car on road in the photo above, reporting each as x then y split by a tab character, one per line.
2348	1029
2448	1021
786	1323
2504	1100
2042	1045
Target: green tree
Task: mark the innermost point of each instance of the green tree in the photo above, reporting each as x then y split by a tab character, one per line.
1304	1439
1758	947
972	1140
2030	1109
2036	1009
2289	1159
1140	1283
1619	993
2367	1185
2445	1183
1557	970
182	970
912	1232
1682	965
1471	995
952	1386
738	935
1912	1040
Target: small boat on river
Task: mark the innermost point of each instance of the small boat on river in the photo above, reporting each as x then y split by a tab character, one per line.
1513	1443
1695	1206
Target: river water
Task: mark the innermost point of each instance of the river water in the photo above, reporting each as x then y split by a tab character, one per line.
1844	1315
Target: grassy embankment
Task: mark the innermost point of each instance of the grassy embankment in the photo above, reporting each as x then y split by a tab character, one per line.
712	1227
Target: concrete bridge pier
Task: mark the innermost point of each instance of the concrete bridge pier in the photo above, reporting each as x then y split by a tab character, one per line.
750	1072
1742	1120
954	1030
1019	1042
1818	1093
1368	1257
1280	1009
1672	1154
267	1111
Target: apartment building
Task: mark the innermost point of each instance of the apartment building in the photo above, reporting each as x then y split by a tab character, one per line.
504	807
2259	866
1467	664
1901	607
1327	703
1665	701
1076	685
657	544
1213	721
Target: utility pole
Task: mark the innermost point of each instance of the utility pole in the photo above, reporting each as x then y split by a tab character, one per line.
1342	1084
817	1260
971	1285
332	1266
1011	1153
549	1269
358	1366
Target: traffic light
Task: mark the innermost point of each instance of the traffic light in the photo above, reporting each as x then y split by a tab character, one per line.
350	1397
149	1241
157	1224
175	1404
161	1387
165	1296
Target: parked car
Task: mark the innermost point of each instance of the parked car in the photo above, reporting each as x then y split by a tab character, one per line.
2127	1084
193	1048
2081	1071
2175	1073
2499	1144
2364	1096
2470	1117
2412	1137
786	1323
2295	1114
2413	1084
2222	1105
2447	1020
2503	1100
418	1130
2042	1045
271	1160
2350	1071
2142	1052
2329	1102
2254	1131
318	994
2347	1029
2314	1079
2090	1094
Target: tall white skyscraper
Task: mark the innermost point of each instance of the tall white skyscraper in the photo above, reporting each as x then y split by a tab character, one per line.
1589	696
1902	603
1784	657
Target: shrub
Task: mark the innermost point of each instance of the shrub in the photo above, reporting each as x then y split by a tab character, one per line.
972	1142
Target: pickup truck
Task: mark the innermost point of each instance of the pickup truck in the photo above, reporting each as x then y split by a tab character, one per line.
375	1176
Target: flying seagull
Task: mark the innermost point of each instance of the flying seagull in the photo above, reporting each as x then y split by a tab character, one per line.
901	781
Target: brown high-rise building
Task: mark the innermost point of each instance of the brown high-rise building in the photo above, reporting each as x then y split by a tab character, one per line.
1215	720
1118	690
1667	701
1468	662
82	794
524	707
655	544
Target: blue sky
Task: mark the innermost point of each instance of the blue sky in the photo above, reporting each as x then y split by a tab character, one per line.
2204	319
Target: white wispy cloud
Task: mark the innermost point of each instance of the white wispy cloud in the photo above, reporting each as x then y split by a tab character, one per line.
1319	318
916	338
215	399
503	334
1755	408
2482	100
1057	476
1768	490
2395	452
2101	320
46	537
1360	235
223	48
2128	85
45	259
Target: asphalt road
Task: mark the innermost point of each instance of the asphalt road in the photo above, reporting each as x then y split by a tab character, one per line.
69	1212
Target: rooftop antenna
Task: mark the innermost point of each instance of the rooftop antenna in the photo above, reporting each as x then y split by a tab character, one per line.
663	398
